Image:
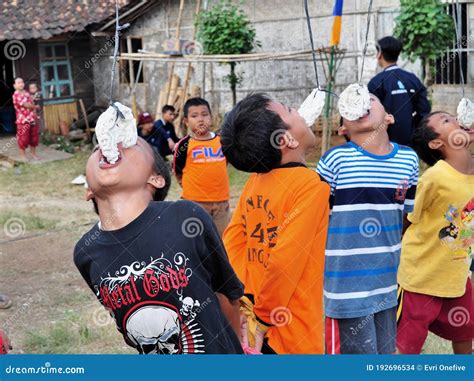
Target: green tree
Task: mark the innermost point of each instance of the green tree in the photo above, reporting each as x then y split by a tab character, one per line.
225	29
426	31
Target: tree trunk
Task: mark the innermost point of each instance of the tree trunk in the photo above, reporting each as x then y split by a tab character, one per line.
233	83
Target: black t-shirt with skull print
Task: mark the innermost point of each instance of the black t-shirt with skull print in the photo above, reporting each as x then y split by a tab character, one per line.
158	277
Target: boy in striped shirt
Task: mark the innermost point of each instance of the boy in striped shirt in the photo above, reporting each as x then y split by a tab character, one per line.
373	183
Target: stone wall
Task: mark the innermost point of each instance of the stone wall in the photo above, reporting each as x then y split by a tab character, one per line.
280	26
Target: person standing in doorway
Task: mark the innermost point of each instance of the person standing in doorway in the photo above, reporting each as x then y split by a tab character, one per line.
401	92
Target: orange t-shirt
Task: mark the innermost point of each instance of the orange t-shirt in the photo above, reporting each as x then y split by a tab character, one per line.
203	168
275	242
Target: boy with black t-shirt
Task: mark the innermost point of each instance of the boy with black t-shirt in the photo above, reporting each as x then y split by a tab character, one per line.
158	267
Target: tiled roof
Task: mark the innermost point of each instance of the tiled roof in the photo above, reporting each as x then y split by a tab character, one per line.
26	19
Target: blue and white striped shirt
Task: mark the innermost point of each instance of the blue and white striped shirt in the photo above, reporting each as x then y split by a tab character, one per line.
369	194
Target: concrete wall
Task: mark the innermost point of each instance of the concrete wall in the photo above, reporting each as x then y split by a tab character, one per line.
280	26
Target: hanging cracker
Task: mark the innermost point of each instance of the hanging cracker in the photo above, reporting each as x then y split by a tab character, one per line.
116	125
354	102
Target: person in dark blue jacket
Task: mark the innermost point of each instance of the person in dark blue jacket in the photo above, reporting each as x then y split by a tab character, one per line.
401	92
168	115
157	137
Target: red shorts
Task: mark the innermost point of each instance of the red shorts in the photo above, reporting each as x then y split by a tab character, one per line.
450	318
27	135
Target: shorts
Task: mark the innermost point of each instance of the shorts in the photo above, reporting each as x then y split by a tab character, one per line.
371	334
27	135
450	318
220	213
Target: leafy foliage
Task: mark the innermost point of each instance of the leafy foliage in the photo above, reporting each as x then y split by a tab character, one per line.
425	29
226	29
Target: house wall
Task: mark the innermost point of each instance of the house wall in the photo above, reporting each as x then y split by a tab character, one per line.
280	26
82	74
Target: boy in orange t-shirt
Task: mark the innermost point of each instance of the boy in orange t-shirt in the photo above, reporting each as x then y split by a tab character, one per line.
277	235
200	166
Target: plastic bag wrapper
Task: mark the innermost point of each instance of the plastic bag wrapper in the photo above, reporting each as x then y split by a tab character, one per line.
354	101
312	106
466	113
111	130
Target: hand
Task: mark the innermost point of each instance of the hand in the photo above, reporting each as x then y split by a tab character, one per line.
244	338
312	106
259	336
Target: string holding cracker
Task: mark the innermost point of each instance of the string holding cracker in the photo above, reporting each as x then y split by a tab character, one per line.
313	50
354	101
465	109
116	126
118	29
313	105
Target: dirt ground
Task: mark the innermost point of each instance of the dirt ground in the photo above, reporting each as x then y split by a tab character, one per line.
41	218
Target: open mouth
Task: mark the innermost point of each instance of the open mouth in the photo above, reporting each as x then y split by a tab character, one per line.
366	114
105	164
468	130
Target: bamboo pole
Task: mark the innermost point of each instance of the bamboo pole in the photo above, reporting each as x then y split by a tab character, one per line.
86	121
220	58
176	45
131	77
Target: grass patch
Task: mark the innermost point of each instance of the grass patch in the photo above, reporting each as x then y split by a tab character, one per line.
65	336
12	220
47	179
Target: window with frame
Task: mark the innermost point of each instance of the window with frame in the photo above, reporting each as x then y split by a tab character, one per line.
55	66
448	67
130	45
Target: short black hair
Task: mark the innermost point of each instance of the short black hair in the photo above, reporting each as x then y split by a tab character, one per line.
195	102
390	47
423	134
167	108
251	133
160	167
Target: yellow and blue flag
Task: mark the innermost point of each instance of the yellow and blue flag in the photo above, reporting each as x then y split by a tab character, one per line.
336	26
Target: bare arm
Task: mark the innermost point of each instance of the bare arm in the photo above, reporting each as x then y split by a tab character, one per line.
171	144
231	310
31	106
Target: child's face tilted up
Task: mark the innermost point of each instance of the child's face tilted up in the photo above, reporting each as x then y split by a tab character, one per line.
299	133
134	170
374	119
450	133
